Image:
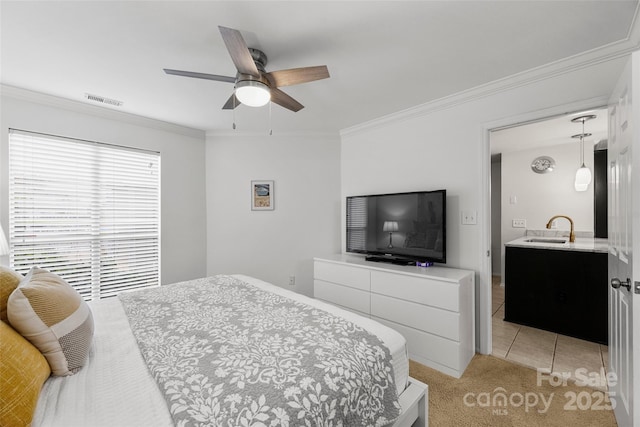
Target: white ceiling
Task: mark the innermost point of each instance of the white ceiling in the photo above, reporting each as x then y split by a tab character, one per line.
383	56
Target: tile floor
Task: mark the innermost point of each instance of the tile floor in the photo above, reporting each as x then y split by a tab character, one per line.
542	349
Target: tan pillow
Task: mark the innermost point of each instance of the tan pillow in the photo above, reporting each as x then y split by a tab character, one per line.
23	370
9	280
52	315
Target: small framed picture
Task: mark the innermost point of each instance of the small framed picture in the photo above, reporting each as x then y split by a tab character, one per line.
261	195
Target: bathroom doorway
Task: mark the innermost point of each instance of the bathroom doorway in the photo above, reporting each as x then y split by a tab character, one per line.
533	167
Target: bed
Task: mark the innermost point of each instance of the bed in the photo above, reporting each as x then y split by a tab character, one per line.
145	368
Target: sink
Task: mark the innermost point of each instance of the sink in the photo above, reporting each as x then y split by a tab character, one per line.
546	240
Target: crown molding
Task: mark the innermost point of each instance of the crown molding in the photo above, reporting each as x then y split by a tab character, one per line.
567	65
98	111
276	134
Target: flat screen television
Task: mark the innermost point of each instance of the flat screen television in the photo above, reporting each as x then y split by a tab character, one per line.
403	228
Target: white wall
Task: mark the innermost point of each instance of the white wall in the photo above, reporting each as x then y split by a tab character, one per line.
273	245
538	197
445	145
183	216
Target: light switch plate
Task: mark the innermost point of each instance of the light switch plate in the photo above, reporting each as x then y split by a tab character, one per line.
469	217
519	223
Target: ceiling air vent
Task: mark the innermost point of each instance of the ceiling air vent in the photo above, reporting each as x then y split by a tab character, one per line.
103	100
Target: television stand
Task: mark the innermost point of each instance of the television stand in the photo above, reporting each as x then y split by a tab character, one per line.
391	260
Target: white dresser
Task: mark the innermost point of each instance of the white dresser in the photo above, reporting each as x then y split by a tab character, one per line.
432	307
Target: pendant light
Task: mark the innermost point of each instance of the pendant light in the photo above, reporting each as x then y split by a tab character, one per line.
583	174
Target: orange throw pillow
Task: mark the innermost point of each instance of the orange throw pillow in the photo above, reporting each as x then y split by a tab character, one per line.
23	370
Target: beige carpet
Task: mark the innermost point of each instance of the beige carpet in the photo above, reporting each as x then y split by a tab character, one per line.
474	399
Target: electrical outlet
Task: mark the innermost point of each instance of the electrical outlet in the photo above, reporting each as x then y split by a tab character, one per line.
292	280
519	223
468	217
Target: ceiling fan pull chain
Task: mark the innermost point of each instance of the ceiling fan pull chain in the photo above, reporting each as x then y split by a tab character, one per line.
270	126
234	111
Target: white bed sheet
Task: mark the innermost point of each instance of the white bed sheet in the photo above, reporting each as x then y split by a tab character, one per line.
115	387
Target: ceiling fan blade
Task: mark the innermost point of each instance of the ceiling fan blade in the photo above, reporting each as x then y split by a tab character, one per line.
295	76
231	103
200	75
239	51
284	100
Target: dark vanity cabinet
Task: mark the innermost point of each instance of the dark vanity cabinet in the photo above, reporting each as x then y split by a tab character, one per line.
561	291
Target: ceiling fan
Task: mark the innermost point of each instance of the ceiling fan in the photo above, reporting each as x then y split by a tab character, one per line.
253	85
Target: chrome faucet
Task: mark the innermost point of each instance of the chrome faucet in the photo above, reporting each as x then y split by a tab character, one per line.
572	235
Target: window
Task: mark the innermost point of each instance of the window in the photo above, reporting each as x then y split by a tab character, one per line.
357	223
87	211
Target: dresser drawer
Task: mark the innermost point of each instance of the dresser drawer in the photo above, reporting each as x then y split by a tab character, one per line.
353	277
343	296
417	289
425	348
359	313
429	319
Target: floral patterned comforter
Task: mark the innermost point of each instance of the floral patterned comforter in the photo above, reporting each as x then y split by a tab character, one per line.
227	353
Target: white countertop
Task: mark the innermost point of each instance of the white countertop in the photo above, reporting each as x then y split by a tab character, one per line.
584	244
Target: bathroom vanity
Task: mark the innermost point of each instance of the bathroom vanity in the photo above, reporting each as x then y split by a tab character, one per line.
557	285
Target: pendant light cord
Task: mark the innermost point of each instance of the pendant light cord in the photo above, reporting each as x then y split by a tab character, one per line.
582	145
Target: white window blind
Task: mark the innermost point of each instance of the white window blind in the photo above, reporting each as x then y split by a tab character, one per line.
357	223
89	212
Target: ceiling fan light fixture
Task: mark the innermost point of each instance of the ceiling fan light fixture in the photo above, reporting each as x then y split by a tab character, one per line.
254	86
253	93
